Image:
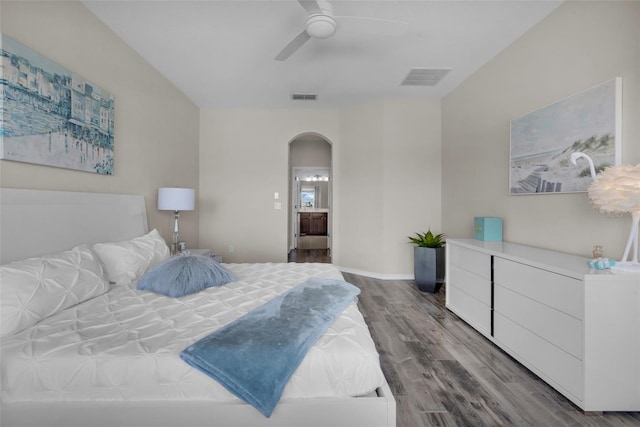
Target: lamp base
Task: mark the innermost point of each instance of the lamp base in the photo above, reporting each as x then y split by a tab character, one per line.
633	264
175	249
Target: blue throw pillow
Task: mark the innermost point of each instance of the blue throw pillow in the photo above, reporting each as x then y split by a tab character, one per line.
183	275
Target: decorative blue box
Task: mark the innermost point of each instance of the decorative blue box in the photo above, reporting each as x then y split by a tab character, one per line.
487	228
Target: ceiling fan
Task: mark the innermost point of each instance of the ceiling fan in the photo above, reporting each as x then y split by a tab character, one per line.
322	24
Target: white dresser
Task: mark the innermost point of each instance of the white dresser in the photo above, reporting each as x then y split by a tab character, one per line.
577	329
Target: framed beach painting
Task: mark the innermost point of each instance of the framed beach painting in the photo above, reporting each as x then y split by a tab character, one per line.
50	115
542	141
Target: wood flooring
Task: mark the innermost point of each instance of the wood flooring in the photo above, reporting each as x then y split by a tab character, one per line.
444	373
310	255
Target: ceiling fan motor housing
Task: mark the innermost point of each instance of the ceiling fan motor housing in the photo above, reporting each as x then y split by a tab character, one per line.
321	26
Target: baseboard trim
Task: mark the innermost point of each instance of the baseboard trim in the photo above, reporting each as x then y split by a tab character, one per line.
374	275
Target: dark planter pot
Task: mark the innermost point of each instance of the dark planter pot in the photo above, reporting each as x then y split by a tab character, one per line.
428	268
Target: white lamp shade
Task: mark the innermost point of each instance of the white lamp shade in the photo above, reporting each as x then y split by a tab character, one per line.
176	199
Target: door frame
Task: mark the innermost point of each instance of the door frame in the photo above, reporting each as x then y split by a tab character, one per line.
295	199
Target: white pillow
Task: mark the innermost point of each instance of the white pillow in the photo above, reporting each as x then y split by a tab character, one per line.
35	288
128	260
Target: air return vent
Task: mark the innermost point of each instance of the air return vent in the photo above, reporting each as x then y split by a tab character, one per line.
425	76
304	96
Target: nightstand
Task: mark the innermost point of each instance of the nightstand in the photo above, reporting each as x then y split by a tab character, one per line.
205	252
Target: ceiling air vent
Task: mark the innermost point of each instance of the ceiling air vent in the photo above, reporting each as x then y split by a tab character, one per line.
304	96
425	76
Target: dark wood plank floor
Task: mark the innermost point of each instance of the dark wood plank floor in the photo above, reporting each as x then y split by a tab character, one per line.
310	255
444	373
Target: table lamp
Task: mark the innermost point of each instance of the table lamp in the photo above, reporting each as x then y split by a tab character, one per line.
176	199
616	190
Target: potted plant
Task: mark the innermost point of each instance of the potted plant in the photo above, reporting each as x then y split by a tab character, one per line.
428	260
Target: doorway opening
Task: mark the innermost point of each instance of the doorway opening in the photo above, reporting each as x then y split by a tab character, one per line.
310	193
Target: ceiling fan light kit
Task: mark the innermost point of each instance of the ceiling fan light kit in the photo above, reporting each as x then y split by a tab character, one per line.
321	26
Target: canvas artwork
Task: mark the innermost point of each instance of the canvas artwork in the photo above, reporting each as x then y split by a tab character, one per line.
52	116
542	141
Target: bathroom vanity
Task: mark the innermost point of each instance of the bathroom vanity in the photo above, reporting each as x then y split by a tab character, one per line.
313	223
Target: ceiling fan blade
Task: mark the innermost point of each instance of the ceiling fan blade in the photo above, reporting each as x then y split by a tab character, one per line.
311	6
375	26
293	45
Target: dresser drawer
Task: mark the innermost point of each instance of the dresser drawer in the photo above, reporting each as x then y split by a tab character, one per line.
559	329
469	309
555	290
554	365
473	261
472	284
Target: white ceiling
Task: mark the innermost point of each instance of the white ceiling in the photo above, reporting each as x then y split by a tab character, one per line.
221	53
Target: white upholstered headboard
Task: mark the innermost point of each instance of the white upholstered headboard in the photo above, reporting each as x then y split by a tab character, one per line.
37	222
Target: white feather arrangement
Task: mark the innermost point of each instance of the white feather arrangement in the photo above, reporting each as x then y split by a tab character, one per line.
617	191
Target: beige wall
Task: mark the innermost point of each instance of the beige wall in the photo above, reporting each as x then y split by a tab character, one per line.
388	156
578	46
386	181
156	126
243	154
412	177
244	160
358	235
390	186
310	151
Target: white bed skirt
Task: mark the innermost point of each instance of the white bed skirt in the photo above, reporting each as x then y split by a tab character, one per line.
378	410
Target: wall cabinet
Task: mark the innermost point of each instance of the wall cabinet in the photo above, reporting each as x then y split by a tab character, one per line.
577	329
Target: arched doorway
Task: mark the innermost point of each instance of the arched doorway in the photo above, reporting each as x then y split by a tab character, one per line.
310	196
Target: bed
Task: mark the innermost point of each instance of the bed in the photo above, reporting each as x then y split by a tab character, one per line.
113	359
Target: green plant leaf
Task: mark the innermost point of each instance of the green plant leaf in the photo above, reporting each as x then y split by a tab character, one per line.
428	240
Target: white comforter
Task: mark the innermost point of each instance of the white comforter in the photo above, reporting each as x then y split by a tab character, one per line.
125	345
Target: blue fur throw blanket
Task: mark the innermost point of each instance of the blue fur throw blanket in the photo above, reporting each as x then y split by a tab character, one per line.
255	355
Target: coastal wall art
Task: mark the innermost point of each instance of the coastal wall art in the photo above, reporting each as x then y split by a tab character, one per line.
50	115
542	141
